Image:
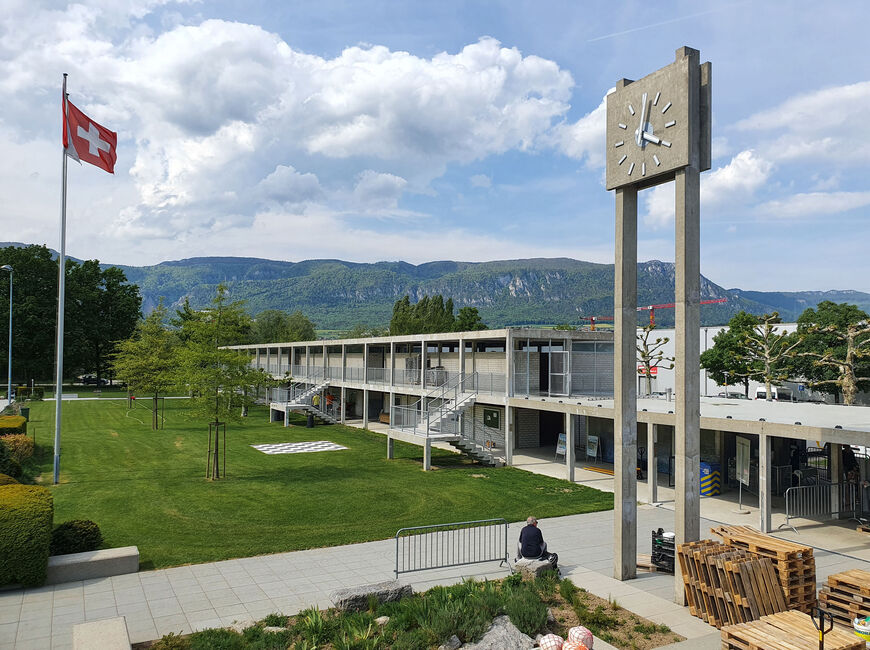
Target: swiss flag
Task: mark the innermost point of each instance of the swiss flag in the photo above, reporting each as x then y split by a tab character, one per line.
84	139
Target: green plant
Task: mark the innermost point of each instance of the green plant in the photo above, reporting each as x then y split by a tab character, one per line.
7	480
526	610
76	536
10	424
8	465
312	626
547	582
567	589
276	620
217	639
19	445
25	518
597	620
513	580
171	641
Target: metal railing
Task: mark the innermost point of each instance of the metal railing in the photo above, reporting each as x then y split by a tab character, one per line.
436	413
822	501
447	545
377	375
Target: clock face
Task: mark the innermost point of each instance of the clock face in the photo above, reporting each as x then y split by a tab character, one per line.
647	129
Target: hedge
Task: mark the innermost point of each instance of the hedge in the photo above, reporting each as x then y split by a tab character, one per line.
20	446
75	536
8	465
5	479
10	424
26	513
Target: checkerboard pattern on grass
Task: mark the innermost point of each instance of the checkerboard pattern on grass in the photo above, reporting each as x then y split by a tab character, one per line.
298	447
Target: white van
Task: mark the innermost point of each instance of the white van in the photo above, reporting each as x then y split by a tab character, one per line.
778	393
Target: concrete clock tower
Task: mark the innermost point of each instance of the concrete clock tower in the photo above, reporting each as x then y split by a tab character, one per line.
658	130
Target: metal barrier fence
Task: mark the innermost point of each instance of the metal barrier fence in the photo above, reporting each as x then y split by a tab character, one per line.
822	501
447	545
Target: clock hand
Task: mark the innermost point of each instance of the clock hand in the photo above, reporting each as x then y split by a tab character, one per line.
638	135
651	138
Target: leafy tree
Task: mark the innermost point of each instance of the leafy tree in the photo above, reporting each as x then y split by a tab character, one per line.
469	320
723	362
768	352
565	327
651	355
360	331
431	314
834	349
146	360
276	326
217	377
299	327
102	308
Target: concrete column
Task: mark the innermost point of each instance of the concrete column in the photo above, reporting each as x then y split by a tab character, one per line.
836	475
427	455
462	366
307	361
259	364
568	349
286	417
652	469
365	363
365	409
687	433
390	450
508	434
343	405
625	388
509	363
268	360
423	355
764	524
343	365
325	363
392	367
570	453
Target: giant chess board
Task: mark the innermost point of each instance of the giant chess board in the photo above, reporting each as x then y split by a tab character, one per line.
298	447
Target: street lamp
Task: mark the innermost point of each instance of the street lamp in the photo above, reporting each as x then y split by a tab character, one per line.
6	267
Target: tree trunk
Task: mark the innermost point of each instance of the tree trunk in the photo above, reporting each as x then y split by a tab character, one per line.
746	387
648	382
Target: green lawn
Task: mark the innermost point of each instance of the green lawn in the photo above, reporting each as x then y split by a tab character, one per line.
148	488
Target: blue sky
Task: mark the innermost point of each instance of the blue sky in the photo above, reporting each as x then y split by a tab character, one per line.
422	131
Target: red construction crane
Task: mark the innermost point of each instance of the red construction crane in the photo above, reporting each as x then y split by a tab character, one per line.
670	305
595	319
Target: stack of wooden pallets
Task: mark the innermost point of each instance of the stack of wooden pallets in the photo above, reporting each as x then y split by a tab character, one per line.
846	595
785	631
726	585
794	564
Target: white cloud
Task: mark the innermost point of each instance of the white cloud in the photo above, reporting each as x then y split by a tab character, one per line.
733	184
375	192
481	180
286	185
585	138
814	204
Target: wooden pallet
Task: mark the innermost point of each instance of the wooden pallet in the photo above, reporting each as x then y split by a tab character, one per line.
725	585
794	564
788	630
846	596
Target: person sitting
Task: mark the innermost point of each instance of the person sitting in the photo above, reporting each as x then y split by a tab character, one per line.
532	546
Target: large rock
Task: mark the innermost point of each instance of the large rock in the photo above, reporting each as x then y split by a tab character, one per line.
502	635
357	598
531	568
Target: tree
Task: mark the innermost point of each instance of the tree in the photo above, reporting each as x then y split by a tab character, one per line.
469	320
768	352
431	314
834	349
300	328
102	308
146	360
822	330
217	377
360	331
723	361
276	326
651	355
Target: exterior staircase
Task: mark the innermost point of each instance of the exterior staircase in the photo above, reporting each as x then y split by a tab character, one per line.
298	398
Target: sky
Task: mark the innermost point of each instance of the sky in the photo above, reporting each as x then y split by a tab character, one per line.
423	131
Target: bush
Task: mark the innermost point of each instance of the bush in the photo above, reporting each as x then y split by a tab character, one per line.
26	513
7	480
24	392
76	536
10	424
20	446
171	641
525	610
8	465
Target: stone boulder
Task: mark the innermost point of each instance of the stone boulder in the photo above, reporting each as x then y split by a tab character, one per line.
356	599
502	635
531	568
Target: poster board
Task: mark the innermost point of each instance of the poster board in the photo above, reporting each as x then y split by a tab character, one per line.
591	447
561	445
491	418
742	461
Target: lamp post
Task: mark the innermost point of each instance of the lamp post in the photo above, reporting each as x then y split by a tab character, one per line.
6	267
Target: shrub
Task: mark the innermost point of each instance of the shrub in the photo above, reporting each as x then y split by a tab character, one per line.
217	639
76	536
20	446
7	480
8	465
171	641
526	610
25	518
10	424
567	589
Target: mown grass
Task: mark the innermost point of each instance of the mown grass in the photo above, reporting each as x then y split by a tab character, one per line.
148	488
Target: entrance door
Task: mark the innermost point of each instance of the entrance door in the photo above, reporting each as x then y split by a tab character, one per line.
558	374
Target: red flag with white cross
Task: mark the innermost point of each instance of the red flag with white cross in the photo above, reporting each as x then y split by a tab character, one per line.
85	140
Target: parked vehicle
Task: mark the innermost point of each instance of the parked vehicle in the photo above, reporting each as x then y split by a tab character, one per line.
92	380
778	394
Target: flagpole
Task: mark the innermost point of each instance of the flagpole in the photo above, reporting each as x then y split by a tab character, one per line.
61	281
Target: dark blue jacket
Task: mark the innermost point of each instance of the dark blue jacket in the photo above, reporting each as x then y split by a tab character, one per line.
531	541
